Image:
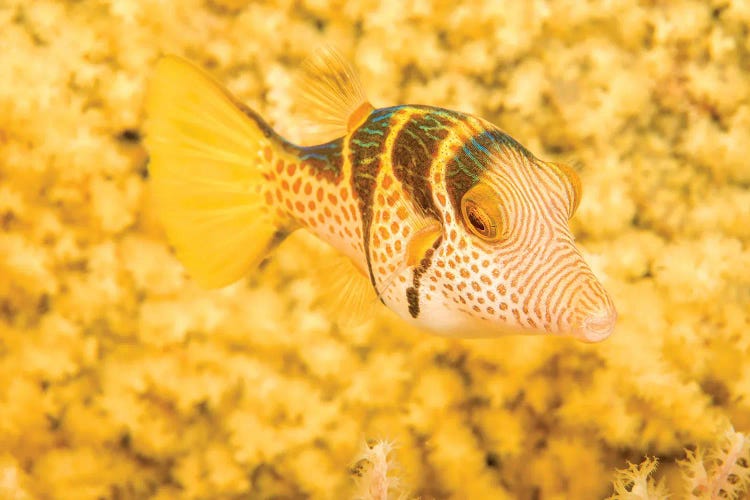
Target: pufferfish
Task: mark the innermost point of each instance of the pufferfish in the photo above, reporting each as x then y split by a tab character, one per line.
439	215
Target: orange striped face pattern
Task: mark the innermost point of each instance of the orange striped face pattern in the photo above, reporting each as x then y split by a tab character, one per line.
504	261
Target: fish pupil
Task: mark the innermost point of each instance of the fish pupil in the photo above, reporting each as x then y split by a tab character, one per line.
477	222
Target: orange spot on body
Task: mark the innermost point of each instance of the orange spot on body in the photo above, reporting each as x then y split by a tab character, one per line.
290	169
267	153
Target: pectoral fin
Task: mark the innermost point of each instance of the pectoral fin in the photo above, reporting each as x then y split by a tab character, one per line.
422	240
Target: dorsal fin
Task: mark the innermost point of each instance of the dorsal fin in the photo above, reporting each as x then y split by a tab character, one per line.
330	96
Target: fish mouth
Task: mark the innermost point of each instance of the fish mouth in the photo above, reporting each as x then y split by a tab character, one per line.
597	326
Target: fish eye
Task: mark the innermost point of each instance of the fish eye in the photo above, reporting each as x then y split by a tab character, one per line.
482	213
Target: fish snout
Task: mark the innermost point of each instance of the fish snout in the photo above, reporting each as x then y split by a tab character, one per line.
598	325
594	314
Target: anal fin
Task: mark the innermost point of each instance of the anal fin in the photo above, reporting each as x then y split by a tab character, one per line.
347	294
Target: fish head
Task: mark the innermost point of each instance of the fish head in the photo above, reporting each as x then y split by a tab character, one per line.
506	262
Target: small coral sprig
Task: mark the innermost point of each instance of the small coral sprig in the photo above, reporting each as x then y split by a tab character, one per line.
636	483
723	472
374	473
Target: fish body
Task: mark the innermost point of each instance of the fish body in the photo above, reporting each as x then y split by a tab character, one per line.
444	218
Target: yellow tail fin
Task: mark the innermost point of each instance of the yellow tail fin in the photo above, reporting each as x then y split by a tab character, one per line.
206	173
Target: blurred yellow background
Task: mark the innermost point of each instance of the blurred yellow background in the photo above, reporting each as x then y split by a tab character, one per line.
121	378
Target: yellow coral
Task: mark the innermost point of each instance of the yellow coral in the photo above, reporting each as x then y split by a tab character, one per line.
634	483
115	366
